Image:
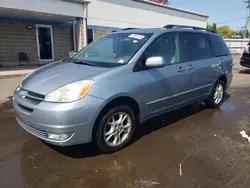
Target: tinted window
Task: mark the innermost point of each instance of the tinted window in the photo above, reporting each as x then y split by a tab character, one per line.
165	45
218	45
194	46
90	35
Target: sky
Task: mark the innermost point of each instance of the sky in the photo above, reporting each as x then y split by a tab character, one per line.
222	12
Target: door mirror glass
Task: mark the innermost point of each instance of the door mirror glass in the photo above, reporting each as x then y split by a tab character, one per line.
155	62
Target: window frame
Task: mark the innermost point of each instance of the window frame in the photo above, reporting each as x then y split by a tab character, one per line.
149	35
206	38
213	47
140	59
92	35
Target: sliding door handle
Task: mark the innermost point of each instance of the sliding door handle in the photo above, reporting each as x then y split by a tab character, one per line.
181	69
190	67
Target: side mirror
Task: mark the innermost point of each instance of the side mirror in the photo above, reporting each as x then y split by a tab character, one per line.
155	62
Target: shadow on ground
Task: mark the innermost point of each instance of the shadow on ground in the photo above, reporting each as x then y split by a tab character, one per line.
245	71
154	124
7	105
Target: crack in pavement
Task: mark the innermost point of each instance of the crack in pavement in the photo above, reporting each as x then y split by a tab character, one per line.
192	155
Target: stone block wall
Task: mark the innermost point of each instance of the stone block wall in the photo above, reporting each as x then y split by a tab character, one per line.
98	33
15	37
63	41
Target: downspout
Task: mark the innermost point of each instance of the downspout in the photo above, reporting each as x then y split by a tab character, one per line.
85	24
74	35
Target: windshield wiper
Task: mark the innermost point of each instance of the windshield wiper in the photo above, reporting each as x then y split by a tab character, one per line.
82	63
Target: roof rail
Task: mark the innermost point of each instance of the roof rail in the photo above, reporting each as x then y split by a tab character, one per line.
186	26
130	28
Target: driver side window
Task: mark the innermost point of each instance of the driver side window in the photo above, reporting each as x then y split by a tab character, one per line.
167	46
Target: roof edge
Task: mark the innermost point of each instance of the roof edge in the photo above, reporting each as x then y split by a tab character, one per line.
170	7
78	1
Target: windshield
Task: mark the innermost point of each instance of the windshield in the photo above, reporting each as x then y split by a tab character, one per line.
114	49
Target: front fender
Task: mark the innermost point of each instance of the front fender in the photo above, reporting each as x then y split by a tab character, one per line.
112	98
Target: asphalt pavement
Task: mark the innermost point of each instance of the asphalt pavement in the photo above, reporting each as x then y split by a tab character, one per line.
190	147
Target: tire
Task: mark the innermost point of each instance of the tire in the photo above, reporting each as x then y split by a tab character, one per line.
114	129
215	102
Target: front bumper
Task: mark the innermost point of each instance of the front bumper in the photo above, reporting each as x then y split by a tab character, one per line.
40	118
245	62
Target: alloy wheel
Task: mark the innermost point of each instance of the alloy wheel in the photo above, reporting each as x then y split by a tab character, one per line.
117	129
218	95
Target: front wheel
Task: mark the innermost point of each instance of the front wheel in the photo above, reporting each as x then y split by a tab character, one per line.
115	128
217	95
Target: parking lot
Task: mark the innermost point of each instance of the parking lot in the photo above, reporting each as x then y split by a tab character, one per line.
190	147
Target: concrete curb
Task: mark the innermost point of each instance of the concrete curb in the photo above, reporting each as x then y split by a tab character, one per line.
13	75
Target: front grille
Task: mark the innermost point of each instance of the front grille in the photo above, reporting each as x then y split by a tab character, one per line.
30	99
33	96
33	130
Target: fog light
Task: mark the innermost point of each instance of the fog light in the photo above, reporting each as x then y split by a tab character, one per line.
60	137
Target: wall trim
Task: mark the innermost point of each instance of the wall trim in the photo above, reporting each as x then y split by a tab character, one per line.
57	23
104	28
36	21
171	8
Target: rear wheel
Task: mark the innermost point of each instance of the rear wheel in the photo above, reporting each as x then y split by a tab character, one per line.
217	95
115	128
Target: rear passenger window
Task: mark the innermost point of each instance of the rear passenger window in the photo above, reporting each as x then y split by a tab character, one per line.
218	45
194	46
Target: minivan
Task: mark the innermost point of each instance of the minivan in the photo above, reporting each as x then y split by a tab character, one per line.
104	91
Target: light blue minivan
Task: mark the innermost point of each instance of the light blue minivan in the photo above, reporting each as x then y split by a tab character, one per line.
103	91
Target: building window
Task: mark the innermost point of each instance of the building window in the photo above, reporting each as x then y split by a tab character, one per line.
90	35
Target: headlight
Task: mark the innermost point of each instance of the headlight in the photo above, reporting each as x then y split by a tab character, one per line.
70	92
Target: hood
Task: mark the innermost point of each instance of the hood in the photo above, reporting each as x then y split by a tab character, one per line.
55	75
